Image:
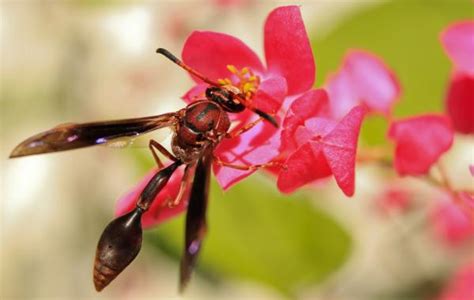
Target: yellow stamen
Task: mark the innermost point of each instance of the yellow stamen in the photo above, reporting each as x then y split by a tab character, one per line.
232	69
246	81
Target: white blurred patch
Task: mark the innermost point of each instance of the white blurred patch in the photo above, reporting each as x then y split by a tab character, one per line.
24	180
456	163
130	28
2	27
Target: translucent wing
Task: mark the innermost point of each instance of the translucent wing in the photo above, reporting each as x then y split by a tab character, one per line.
138	141
73	136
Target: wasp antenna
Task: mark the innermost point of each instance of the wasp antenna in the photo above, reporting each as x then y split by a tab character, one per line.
174	59
168	55
267	117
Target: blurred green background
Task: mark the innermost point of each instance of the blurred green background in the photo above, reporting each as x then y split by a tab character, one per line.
91	60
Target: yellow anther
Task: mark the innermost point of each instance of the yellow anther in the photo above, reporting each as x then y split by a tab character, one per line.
232	69
244	80
248	87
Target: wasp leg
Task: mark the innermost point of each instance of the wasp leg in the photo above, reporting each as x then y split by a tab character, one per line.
154	145
246	128
184	186
248	167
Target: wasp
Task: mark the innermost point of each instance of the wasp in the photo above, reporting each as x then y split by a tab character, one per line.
197	130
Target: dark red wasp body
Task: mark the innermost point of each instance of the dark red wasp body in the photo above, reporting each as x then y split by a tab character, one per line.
198	129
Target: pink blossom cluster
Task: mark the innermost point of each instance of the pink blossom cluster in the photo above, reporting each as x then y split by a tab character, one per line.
319	127
310	144
421	140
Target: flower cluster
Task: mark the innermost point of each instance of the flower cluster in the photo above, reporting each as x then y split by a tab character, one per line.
310	143
319	127
421	140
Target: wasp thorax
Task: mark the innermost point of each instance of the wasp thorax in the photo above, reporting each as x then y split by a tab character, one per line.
118	246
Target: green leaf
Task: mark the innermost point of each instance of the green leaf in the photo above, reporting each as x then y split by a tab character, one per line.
257	234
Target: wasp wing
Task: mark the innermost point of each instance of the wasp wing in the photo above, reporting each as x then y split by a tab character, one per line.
73	136
195	218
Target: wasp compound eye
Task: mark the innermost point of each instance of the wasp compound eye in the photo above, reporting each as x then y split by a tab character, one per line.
118	246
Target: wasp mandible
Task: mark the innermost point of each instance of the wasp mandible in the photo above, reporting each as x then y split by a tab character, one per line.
197	130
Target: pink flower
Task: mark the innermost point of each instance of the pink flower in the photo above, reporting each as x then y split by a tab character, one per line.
420	141
461	284
394	199
458	42
289	71
451	224
362	78
225	4
323	147
460	102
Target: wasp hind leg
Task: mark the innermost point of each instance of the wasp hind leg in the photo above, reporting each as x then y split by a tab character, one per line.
184	186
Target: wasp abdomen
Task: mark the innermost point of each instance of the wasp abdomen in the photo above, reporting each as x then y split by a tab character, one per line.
118	246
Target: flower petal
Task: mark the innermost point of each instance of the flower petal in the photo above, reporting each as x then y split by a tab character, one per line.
451	224
287	49
342	94
313	128
376	84
311	104
340	147
303	166
420	141
270	94
458	42
320	126
257	146
157	212
210	53
460	102
363	78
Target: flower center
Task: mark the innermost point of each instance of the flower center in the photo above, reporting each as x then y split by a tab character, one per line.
245	80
